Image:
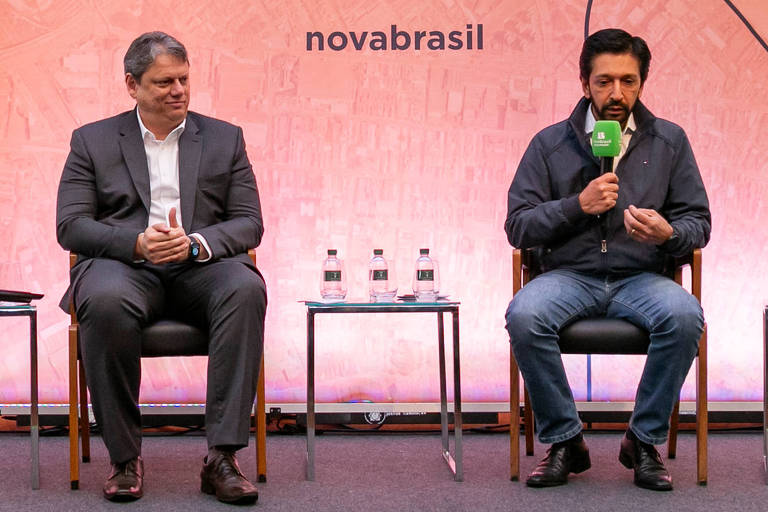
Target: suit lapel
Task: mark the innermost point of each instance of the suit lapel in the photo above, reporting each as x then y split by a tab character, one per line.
135	157
190	149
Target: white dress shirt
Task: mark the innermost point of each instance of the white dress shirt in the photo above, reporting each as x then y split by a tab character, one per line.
163	165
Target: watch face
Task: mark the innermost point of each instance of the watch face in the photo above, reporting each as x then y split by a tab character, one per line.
194	249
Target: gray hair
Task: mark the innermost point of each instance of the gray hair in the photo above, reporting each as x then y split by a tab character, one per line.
145	49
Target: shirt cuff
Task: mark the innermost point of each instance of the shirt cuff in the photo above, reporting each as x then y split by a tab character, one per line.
200	238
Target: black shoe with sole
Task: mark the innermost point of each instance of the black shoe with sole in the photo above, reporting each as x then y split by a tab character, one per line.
643	458
221	476
570	456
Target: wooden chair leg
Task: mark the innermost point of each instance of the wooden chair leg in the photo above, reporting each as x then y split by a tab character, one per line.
529	426
702	411
514	418
85	431
74	455
261	427
674	422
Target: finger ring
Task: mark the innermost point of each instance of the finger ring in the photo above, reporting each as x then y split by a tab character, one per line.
632	232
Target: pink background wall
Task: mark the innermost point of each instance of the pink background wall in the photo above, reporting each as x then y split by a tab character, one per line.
399	150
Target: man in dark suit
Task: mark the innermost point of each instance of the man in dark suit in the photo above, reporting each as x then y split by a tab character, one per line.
161	206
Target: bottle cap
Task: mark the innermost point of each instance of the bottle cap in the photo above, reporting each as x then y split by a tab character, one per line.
423	251
332	252
378	252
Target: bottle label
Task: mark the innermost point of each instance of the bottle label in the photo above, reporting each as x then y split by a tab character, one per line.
333	275
425	275
380	275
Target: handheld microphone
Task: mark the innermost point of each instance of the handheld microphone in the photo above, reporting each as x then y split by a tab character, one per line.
606	143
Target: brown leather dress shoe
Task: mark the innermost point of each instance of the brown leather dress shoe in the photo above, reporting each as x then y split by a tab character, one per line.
222	476
126	481
570	456
650	472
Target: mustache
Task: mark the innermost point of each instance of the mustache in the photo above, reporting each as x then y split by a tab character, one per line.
613	103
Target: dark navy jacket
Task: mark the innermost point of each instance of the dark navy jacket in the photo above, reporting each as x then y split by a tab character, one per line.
657	171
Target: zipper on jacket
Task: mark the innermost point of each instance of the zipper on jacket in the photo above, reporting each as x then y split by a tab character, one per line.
602	219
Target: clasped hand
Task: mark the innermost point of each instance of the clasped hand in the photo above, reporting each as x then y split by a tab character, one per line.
163	243
642	224
646	225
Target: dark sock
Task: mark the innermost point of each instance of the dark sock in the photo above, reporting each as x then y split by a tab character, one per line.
578	438
632	437
215	451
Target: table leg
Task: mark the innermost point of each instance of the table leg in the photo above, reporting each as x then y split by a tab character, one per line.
457	420
443	392
34	423
310	395
765	394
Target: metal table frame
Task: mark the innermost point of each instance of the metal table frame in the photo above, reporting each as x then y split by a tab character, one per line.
765	393
34	425
454	462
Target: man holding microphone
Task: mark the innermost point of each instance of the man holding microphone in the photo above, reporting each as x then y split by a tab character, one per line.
603	240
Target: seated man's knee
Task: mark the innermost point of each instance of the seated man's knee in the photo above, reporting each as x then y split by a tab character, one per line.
684	316
110	289
106	302
248	290
521	320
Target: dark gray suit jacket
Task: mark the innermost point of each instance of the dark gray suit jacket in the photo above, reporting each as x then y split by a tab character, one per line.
104	196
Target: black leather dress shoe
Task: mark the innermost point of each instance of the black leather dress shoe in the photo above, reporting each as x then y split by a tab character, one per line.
571	456
650	472
222	476
126	481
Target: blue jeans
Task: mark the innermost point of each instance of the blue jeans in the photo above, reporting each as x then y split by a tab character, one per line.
551	301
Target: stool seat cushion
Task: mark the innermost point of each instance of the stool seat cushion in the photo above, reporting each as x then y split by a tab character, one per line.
173	338
603	336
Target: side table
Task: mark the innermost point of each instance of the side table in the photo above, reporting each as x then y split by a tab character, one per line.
34	425
765	393
440	307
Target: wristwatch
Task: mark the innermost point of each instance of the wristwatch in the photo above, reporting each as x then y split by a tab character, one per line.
194	249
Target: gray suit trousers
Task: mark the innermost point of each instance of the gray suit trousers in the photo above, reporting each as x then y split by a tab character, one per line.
115	301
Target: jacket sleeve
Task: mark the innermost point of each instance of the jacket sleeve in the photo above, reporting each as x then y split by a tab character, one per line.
77	227
534	217
686	207
242	226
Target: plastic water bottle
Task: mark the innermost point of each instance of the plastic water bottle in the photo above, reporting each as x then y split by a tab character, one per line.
333	284
426	279
380	278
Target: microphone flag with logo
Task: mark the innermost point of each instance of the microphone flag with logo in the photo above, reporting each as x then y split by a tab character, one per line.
606	143
606	138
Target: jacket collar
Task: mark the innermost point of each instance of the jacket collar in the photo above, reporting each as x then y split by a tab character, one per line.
643	120
132	147
190	149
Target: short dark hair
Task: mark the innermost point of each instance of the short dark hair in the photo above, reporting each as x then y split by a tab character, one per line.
145	49
616	41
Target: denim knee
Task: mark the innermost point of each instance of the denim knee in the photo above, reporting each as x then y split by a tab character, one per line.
685	319
521	322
